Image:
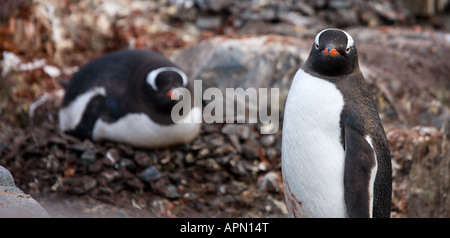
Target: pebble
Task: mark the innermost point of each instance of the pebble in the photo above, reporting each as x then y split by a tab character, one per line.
270	182
202	153
267	140
214	139
272	153
88	157
150	174
262	167
209	22
235	141
171	192
189	158
135	183
250	151
223	189
110	175
160	183
242	131
112	156
236	167
128	164
209	164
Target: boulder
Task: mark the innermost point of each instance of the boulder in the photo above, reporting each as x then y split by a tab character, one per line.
247	62
15	203
257	61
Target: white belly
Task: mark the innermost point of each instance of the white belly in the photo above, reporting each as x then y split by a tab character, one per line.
312	155
138	130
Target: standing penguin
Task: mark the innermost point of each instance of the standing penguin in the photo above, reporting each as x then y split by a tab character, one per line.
335	156
125	96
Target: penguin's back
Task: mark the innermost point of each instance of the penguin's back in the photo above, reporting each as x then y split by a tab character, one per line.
115	72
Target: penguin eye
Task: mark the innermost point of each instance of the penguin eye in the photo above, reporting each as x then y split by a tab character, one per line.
317	46
347	50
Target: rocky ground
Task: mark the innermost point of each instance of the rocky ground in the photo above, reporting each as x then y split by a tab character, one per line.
230	170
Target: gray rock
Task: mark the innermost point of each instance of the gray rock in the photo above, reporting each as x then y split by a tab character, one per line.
250	151
267	140
209	22
171	192
298	19
270	182
341	4
127	164
150	174
236	166
6	179
242	131
88	157
214	139
112	157
252	62
248	62
15	203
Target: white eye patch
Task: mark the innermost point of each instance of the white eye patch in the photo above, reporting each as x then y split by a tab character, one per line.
350	41
151	77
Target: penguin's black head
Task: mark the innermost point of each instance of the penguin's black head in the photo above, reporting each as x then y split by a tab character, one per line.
162	82
333	53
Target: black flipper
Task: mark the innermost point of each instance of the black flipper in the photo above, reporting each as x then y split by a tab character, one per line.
359	161
94	108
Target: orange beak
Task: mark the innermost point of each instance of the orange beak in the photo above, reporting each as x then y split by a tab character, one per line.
330	52
169	93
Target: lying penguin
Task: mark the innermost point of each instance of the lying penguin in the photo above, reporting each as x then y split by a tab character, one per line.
125	97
